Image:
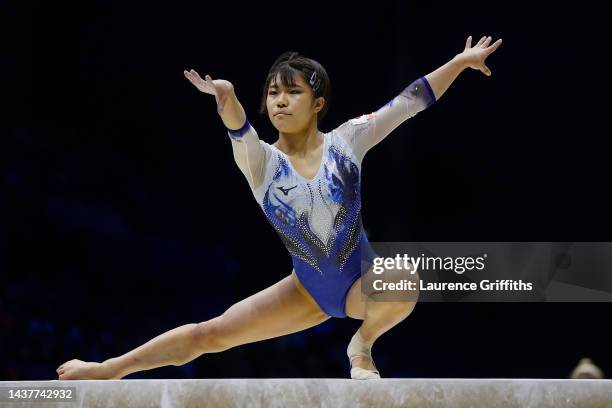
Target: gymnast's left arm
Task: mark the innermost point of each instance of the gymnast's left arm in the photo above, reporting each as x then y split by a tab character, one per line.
368	130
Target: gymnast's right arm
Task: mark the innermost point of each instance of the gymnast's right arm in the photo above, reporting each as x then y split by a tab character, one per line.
249	153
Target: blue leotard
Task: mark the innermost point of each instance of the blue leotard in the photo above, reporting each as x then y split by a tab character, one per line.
319	220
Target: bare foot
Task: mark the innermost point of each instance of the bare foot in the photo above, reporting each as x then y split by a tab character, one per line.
81	370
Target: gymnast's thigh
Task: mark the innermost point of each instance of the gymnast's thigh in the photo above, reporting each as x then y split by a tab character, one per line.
364	290
280	309
355	303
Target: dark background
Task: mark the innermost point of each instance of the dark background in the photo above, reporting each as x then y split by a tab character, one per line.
123	215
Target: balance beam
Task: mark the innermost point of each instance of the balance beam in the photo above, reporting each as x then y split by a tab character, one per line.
295	392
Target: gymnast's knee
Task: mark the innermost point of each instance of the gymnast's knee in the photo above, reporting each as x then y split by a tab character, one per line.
209	336
390	308
400	308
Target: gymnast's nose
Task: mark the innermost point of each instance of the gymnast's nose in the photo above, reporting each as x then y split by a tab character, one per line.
282	100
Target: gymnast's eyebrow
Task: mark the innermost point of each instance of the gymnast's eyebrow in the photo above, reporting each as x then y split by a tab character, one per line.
291	86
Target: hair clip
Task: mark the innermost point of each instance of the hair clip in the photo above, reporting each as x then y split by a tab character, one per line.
313	79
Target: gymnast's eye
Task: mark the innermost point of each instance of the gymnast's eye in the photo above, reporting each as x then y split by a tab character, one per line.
271	92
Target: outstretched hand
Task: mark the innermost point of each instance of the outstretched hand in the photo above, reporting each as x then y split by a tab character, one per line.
474	57
220	88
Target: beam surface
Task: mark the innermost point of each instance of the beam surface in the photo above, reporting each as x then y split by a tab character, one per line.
294	392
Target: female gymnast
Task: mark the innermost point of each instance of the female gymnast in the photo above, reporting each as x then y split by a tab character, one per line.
308	186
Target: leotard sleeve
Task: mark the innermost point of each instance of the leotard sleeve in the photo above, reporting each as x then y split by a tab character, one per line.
250	153
366	131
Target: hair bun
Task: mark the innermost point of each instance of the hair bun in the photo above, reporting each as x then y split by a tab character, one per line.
286	56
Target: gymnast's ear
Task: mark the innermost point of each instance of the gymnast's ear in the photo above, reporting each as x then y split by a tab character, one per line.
318	104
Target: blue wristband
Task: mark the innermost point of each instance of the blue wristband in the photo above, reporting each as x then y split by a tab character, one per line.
432	96
237	134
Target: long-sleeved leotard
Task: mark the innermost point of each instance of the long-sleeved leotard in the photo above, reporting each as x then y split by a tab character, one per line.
319	220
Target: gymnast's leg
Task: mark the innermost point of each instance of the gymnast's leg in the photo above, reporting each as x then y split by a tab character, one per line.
378	314
283	308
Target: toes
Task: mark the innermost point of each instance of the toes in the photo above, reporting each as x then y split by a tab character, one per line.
361	374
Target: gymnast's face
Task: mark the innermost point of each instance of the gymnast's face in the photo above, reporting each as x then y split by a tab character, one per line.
292	108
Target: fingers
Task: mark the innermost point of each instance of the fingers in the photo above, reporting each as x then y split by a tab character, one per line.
468	43
192	73
189	76
195	74
204	85
485	70
210	81
486	40
495	45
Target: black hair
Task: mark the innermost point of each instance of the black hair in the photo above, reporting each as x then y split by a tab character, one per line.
287	65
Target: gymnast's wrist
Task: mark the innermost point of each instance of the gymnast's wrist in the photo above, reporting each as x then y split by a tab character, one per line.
238	133
460	61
